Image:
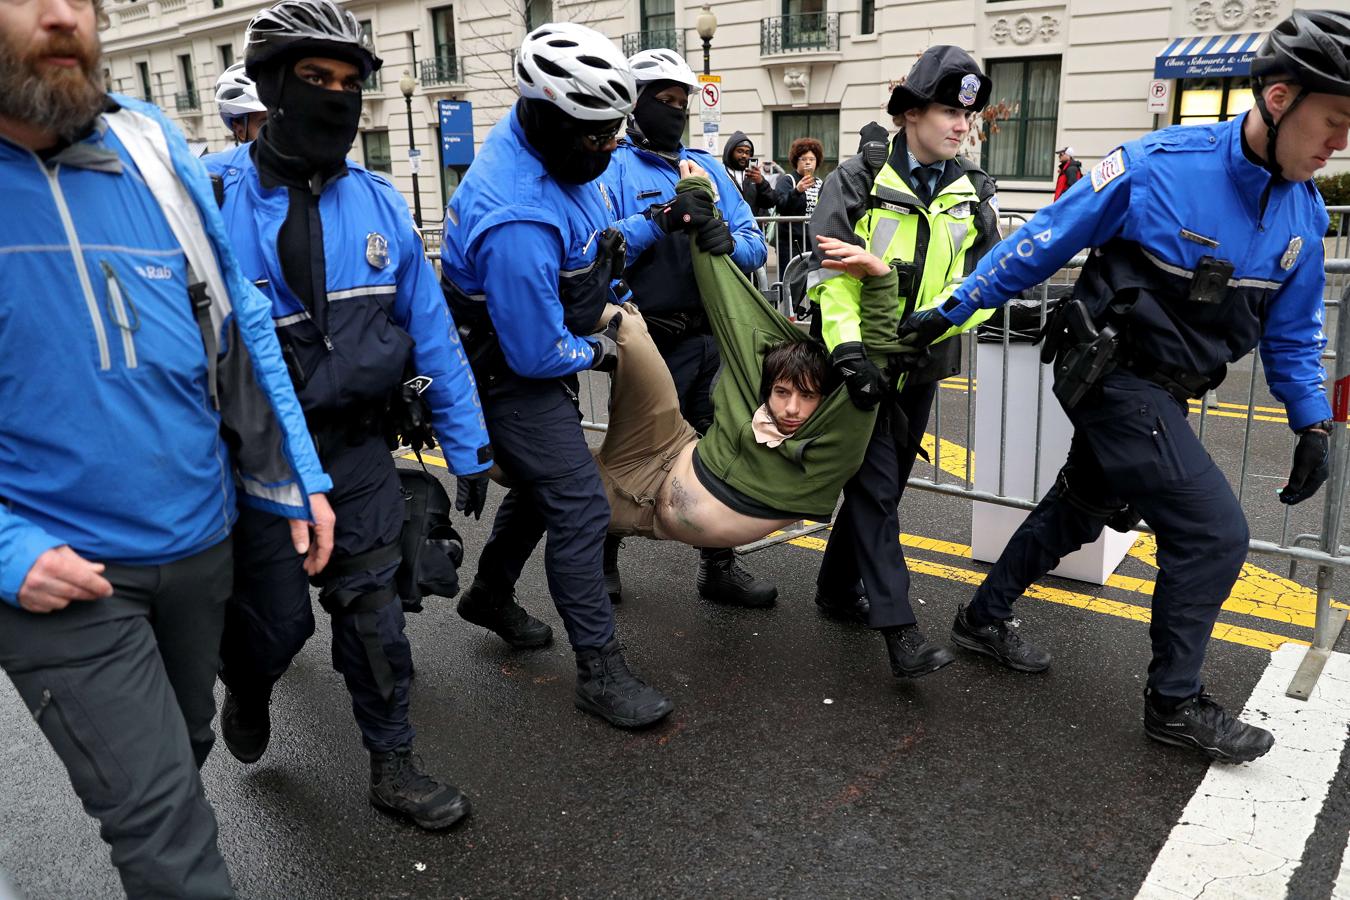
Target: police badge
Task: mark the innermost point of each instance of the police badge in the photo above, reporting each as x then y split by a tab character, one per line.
1291	253
377	250
970	89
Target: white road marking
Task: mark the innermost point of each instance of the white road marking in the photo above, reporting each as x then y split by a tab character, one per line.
1244	830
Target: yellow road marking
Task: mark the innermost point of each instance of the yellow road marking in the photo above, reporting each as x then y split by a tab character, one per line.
1222	631
1225	410
426	457
953	459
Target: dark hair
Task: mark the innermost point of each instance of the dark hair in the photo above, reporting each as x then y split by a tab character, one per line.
805	145
803	363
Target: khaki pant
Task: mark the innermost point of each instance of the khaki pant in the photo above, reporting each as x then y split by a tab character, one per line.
646	431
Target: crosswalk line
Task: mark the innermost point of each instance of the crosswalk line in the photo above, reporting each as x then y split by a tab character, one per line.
1244	830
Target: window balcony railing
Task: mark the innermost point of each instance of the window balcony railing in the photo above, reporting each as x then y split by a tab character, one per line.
441	70
657	39
795	34
186	101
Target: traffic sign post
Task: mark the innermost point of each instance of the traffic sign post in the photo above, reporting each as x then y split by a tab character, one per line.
1159	95
711	135
710	98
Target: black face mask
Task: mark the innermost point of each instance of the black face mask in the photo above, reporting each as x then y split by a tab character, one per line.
314	124
557	138
662	126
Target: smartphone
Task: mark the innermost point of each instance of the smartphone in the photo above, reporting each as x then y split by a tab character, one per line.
754	162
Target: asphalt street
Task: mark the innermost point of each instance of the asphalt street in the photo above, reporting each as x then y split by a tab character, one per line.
794	764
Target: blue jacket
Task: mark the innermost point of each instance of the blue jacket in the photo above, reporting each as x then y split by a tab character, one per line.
519	256
1155	208
109	441
660	270
381	305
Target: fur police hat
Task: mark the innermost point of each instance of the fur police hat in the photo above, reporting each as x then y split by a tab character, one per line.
946	75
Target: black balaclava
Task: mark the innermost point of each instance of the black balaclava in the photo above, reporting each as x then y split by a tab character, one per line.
308	127
660	126
556	136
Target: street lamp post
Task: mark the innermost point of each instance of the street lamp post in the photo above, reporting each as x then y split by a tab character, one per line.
407	84
706	26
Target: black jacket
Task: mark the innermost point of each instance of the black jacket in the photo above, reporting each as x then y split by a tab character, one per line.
760	197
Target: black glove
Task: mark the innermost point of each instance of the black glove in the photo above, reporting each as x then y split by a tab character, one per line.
865	382
923	327
471	493
1311	466
683	212
606	345
714	236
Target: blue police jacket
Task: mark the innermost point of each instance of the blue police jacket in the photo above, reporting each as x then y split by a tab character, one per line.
519	256
1154	209
660	270
381	303
109	441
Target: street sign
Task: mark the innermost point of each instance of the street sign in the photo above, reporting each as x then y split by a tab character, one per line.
415	160
710	98
456	132
711	133
1159	96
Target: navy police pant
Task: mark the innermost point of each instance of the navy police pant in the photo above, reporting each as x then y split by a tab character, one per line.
270	616
535	429
864	542
1132	446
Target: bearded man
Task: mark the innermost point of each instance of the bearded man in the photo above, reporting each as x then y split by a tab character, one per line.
115	549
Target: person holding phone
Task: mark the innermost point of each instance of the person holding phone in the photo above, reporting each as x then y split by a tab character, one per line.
796	195
743	167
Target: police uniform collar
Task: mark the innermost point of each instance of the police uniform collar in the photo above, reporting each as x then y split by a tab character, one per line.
900	161
1252	179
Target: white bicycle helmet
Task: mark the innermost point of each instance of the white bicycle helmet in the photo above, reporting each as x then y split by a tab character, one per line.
318	25
576	69
236	94
661	65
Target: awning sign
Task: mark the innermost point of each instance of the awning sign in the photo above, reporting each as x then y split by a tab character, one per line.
1208	56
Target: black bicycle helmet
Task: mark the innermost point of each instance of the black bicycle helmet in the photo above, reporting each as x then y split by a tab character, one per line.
320	26
1310	48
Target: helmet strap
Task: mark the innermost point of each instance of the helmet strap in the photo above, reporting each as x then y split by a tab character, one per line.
1273	128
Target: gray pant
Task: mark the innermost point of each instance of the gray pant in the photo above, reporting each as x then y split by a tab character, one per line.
122	688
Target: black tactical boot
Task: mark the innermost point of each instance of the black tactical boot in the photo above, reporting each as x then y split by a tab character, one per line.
1198	723
398	786
608	689
245	726
854	610
722	579
613	583
912	654
999	640
502	614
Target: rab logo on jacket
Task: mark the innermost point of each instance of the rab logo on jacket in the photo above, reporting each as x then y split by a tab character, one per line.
377	250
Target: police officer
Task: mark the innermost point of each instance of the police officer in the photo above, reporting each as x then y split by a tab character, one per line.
356	307
930	215
526	263
238	104
656	225
1208	243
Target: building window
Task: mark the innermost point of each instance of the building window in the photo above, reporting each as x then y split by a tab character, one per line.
217	4
375	149
143	76
867	17
658	15
537	12
1202	100
226	56
368	31
823	125
186	98
1023	146
443	68
451	176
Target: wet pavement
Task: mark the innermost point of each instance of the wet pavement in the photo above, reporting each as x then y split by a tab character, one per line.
794	764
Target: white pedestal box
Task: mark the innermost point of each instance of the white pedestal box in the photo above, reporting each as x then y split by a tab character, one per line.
992	525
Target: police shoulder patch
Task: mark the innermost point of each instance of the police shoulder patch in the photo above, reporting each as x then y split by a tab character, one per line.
1109	169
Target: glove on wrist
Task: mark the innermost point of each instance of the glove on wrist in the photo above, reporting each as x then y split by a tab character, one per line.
683	212
1311	463
864	381
606	345
923	327
471	493
714	237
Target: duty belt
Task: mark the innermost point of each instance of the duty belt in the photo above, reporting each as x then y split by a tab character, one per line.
1178	382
